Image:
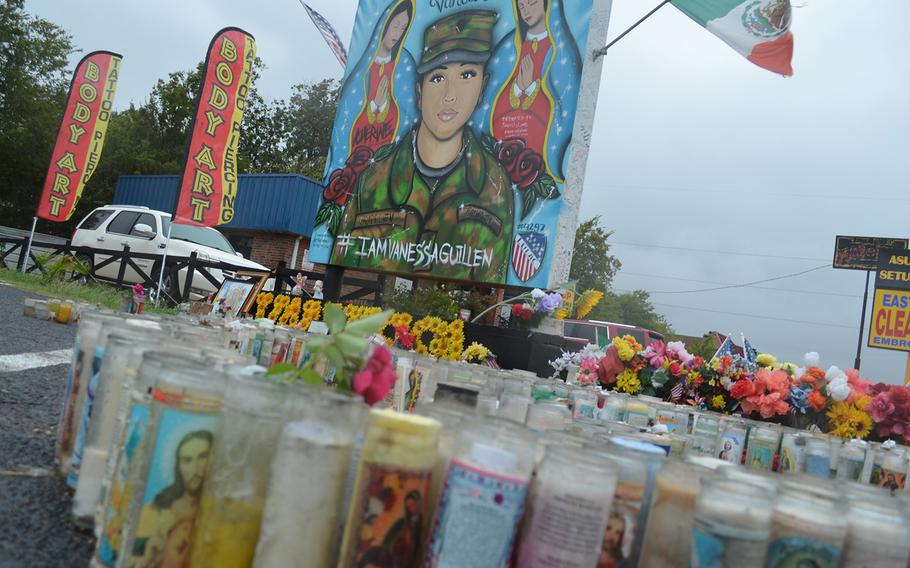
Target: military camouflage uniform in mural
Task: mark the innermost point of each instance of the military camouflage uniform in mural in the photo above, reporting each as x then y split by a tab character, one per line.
454	221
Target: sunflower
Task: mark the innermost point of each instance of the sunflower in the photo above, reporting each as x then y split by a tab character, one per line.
628	382
848	421
262	302
422	327
281	301
312	309
291	314
587	301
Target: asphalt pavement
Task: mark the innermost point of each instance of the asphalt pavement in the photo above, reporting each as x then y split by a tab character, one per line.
35	525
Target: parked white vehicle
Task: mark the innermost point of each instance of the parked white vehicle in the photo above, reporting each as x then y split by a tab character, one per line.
145	231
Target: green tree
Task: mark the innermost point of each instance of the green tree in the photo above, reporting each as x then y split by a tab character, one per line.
33	83
632	308
592	264
311	114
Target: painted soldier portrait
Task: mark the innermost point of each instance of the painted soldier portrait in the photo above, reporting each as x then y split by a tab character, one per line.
451	140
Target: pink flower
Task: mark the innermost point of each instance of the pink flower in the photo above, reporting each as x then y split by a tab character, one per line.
589	365
376	379
677	350
656	354
675	369
881	408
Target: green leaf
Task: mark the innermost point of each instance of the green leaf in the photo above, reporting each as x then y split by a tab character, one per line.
281	369
335	357
315	342
350	345
528	201
383	152
324	212
368	325
334	318
311	377
547	187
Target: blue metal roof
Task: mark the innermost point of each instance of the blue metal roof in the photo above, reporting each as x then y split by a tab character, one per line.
281	203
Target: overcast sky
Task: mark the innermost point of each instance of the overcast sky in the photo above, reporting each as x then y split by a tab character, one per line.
694	149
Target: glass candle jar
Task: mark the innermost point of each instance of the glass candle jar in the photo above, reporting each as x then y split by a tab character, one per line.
818	457
792	452
120	364
762	447
584	404
129	432
637	465
230	514
301	527
852	461
704	435
731	441
546	416
614	408
570	503
807	525
514	406
451	417
637	413
889	468
395	469
878	531
77	384
667	537
483	496
732	523
171	466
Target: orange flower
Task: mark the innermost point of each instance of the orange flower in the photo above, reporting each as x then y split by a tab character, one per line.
816	400
813	375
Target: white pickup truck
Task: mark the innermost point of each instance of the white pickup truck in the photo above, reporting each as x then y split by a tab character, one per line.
145	231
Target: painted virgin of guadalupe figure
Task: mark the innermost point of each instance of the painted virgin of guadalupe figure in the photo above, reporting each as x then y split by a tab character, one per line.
535	73
377	97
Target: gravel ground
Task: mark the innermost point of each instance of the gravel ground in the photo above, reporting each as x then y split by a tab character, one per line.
35	526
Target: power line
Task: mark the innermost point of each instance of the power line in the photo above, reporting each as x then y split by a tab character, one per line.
733	253
735	192
788	320
793	290
744	284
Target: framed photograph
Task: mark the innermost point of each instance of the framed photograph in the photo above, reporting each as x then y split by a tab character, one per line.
239	293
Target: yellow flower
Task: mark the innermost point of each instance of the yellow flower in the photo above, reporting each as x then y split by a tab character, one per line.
628	382
718	401
848	421
587	301
263	299
475	353
278	306
623	349
766	359
561	313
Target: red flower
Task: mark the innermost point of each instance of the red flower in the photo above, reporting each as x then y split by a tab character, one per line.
742	389
341	185
509	150
609	366
404	337
816	400
377	378
675	369
521	312
360	159
528	168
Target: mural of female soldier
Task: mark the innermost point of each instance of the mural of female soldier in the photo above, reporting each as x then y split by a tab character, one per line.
370	94
535	102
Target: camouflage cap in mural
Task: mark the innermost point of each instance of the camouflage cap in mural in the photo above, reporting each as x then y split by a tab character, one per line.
465	37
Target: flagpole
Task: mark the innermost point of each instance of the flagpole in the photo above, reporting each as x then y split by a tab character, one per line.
167	242
28	249
603	50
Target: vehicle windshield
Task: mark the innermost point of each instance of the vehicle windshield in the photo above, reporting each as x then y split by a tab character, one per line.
201	236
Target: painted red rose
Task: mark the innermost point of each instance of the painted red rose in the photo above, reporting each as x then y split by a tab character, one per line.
530	164
509	151
341	185
360	159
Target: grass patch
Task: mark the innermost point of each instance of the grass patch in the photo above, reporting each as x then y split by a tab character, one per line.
89	292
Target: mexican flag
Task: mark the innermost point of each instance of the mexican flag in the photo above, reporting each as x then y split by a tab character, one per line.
758	29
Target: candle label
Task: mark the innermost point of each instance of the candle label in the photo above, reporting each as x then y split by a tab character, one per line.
818	465
622	525
637	418
851	469
760	456
72	478
415	385
477	518
388	516
888	478
797	552
566	529
731	447
64	436
176	473
109	543
792	456
711	550
585	409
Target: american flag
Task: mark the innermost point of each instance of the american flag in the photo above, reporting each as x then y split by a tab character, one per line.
751	354
726	348
329	34
527	254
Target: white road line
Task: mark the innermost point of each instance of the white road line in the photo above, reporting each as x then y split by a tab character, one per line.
25	361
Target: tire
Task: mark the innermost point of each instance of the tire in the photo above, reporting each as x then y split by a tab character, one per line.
170	287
